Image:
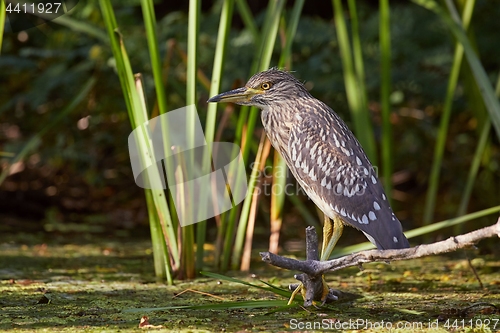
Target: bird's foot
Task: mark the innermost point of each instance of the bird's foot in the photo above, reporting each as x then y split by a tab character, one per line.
313	289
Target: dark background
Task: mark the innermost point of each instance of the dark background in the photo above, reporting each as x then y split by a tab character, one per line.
78	182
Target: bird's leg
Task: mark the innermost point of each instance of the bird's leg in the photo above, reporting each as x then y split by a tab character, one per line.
313	287
331	235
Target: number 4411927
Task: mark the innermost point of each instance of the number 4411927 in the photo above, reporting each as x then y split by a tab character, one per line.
40	8
493	323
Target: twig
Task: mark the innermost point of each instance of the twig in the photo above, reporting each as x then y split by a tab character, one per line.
473	269
313	268
197	292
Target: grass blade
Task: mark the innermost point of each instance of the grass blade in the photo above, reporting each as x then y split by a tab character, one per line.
154	53
285	57
279	164
160	251
385	93
476	161
485	87
258	165
246	126
361	117
252	216
2	22
220	52
192	47
219	306
248	20
430	201
280	291
138	117
75	25
471	177
278	195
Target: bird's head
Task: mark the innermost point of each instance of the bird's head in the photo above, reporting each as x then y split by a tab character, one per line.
265	89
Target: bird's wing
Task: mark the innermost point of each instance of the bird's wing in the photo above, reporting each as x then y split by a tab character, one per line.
333	169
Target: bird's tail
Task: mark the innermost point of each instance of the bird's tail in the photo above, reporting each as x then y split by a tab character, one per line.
394	238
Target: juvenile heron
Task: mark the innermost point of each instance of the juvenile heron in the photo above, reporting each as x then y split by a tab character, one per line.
324	156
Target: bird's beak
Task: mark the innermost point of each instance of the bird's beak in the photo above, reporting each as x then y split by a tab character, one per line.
239	95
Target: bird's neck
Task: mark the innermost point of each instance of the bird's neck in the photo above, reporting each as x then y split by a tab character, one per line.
278	122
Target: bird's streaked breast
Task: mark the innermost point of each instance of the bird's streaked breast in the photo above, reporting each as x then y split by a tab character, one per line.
330	165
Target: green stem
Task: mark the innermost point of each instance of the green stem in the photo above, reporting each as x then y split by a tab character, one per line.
2	24
476	161
361	118
430	202
385	92
220	52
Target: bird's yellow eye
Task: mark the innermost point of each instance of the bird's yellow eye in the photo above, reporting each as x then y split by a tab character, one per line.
265	85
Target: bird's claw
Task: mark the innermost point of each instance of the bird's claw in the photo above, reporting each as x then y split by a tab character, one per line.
296	288
326	295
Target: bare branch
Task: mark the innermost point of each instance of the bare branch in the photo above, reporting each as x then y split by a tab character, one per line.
314	268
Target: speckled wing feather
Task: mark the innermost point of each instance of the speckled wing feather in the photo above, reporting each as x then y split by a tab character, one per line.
335	172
